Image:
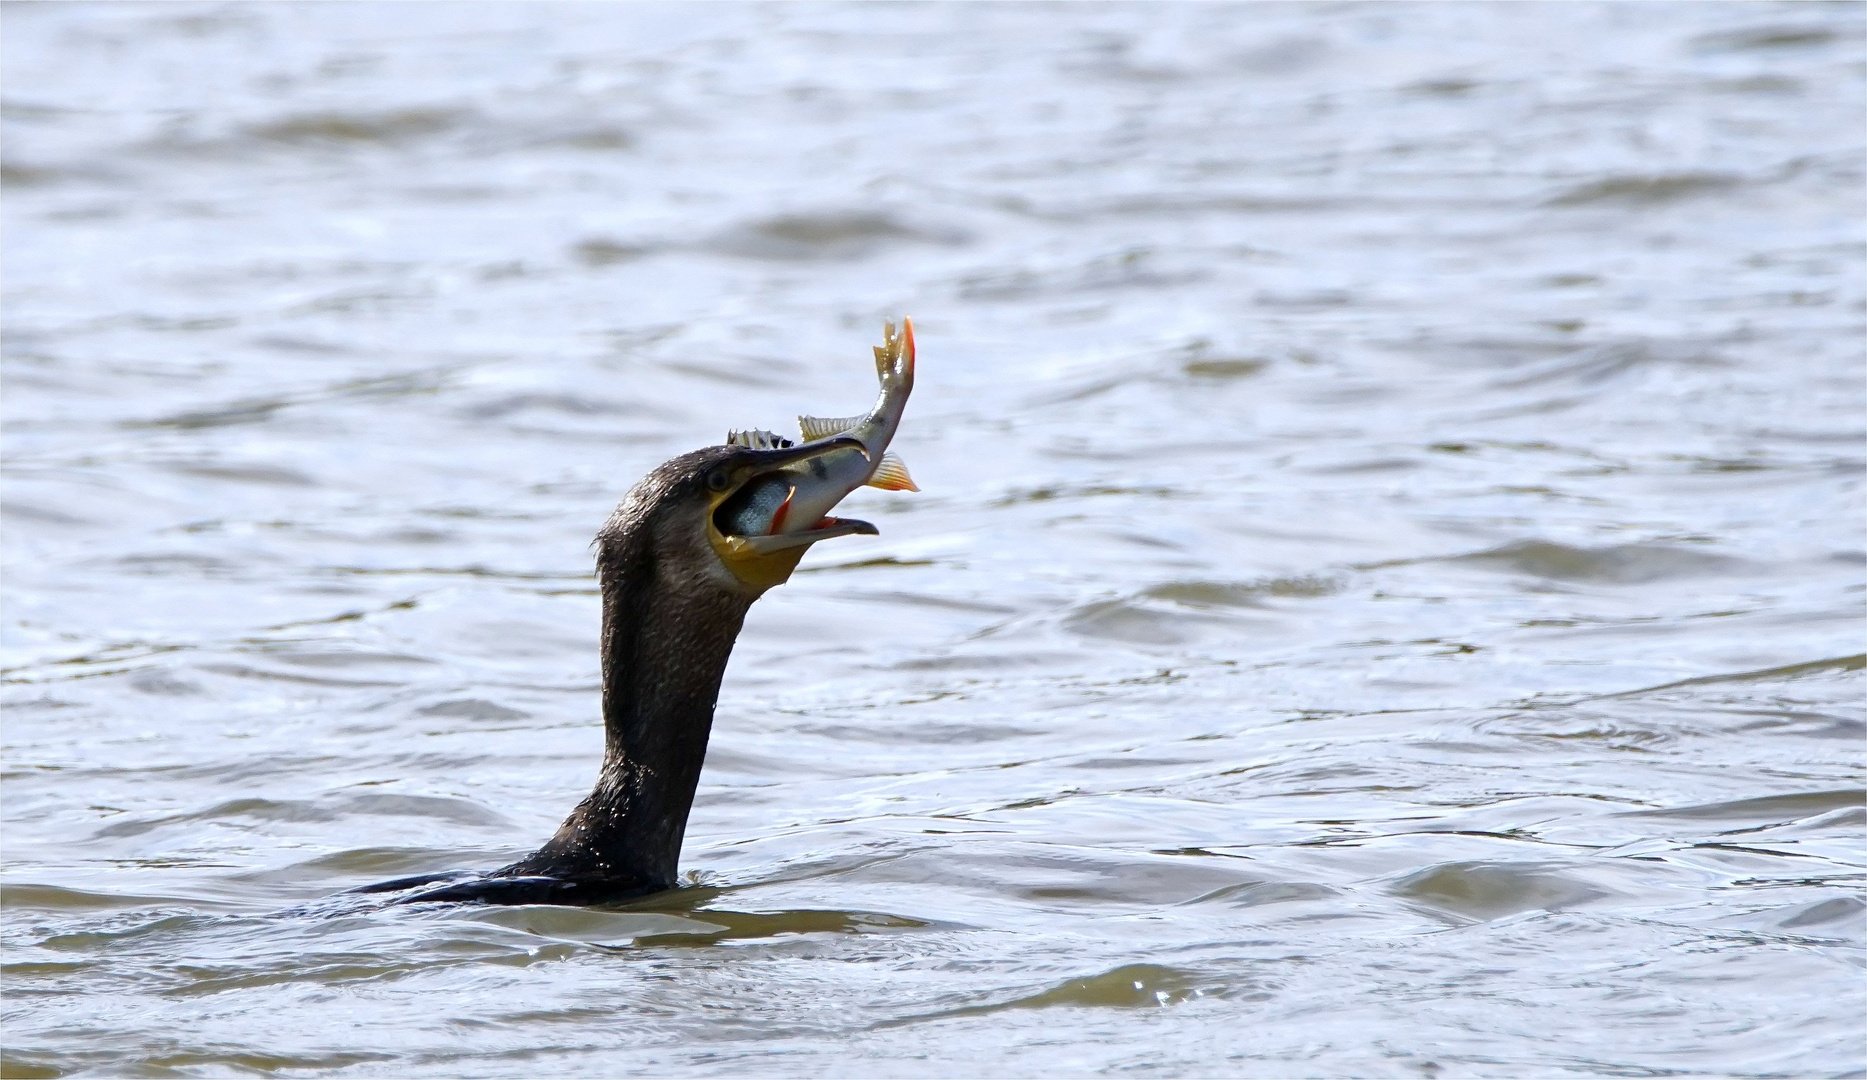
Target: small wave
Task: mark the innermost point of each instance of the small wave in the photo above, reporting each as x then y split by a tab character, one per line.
1266	893
16	509
827	235
238	412
319	880
1856	662
1619	564
37	897
1849	909
1225	368
1492	890
569	404
1600	364
1652	190
18	174
1764	37
1130	986
1190	205
601	251
125	931
1243	593
244	473
442	808
1135	268
1138	624
1061	880
1766	808
392	127
336	657
175	563
1127	987
473	709
1176	611
1051	492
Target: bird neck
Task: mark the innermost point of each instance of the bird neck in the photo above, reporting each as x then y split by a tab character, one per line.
665	649
658	700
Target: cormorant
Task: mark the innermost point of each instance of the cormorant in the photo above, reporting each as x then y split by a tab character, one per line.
683	557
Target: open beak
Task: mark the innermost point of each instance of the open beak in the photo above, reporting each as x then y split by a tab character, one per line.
748	524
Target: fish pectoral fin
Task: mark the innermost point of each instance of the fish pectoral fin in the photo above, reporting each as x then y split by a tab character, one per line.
757	439
892	475
818	427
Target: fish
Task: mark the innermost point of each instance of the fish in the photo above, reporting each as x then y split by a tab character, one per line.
798	498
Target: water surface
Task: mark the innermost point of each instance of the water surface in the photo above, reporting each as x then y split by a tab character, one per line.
1385	600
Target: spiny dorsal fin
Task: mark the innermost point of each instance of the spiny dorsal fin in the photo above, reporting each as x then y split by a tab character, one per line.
755	439
892	475
817	427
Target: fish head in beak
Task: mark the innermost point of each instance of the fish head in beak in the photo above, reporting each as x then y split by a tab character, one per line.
750	498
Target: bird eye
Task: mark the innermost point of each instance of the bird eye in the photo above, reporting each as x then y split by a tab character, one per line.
717	480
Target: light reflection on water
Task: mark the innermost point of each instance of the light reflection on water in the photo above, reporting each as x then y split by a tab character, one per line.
1385	597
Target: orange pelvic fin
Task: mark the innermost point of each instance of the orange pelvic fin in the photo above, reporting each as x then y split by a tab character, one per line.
892	475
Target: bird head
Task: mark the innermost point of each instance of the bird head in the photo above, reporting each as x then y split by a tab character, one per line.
720	514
